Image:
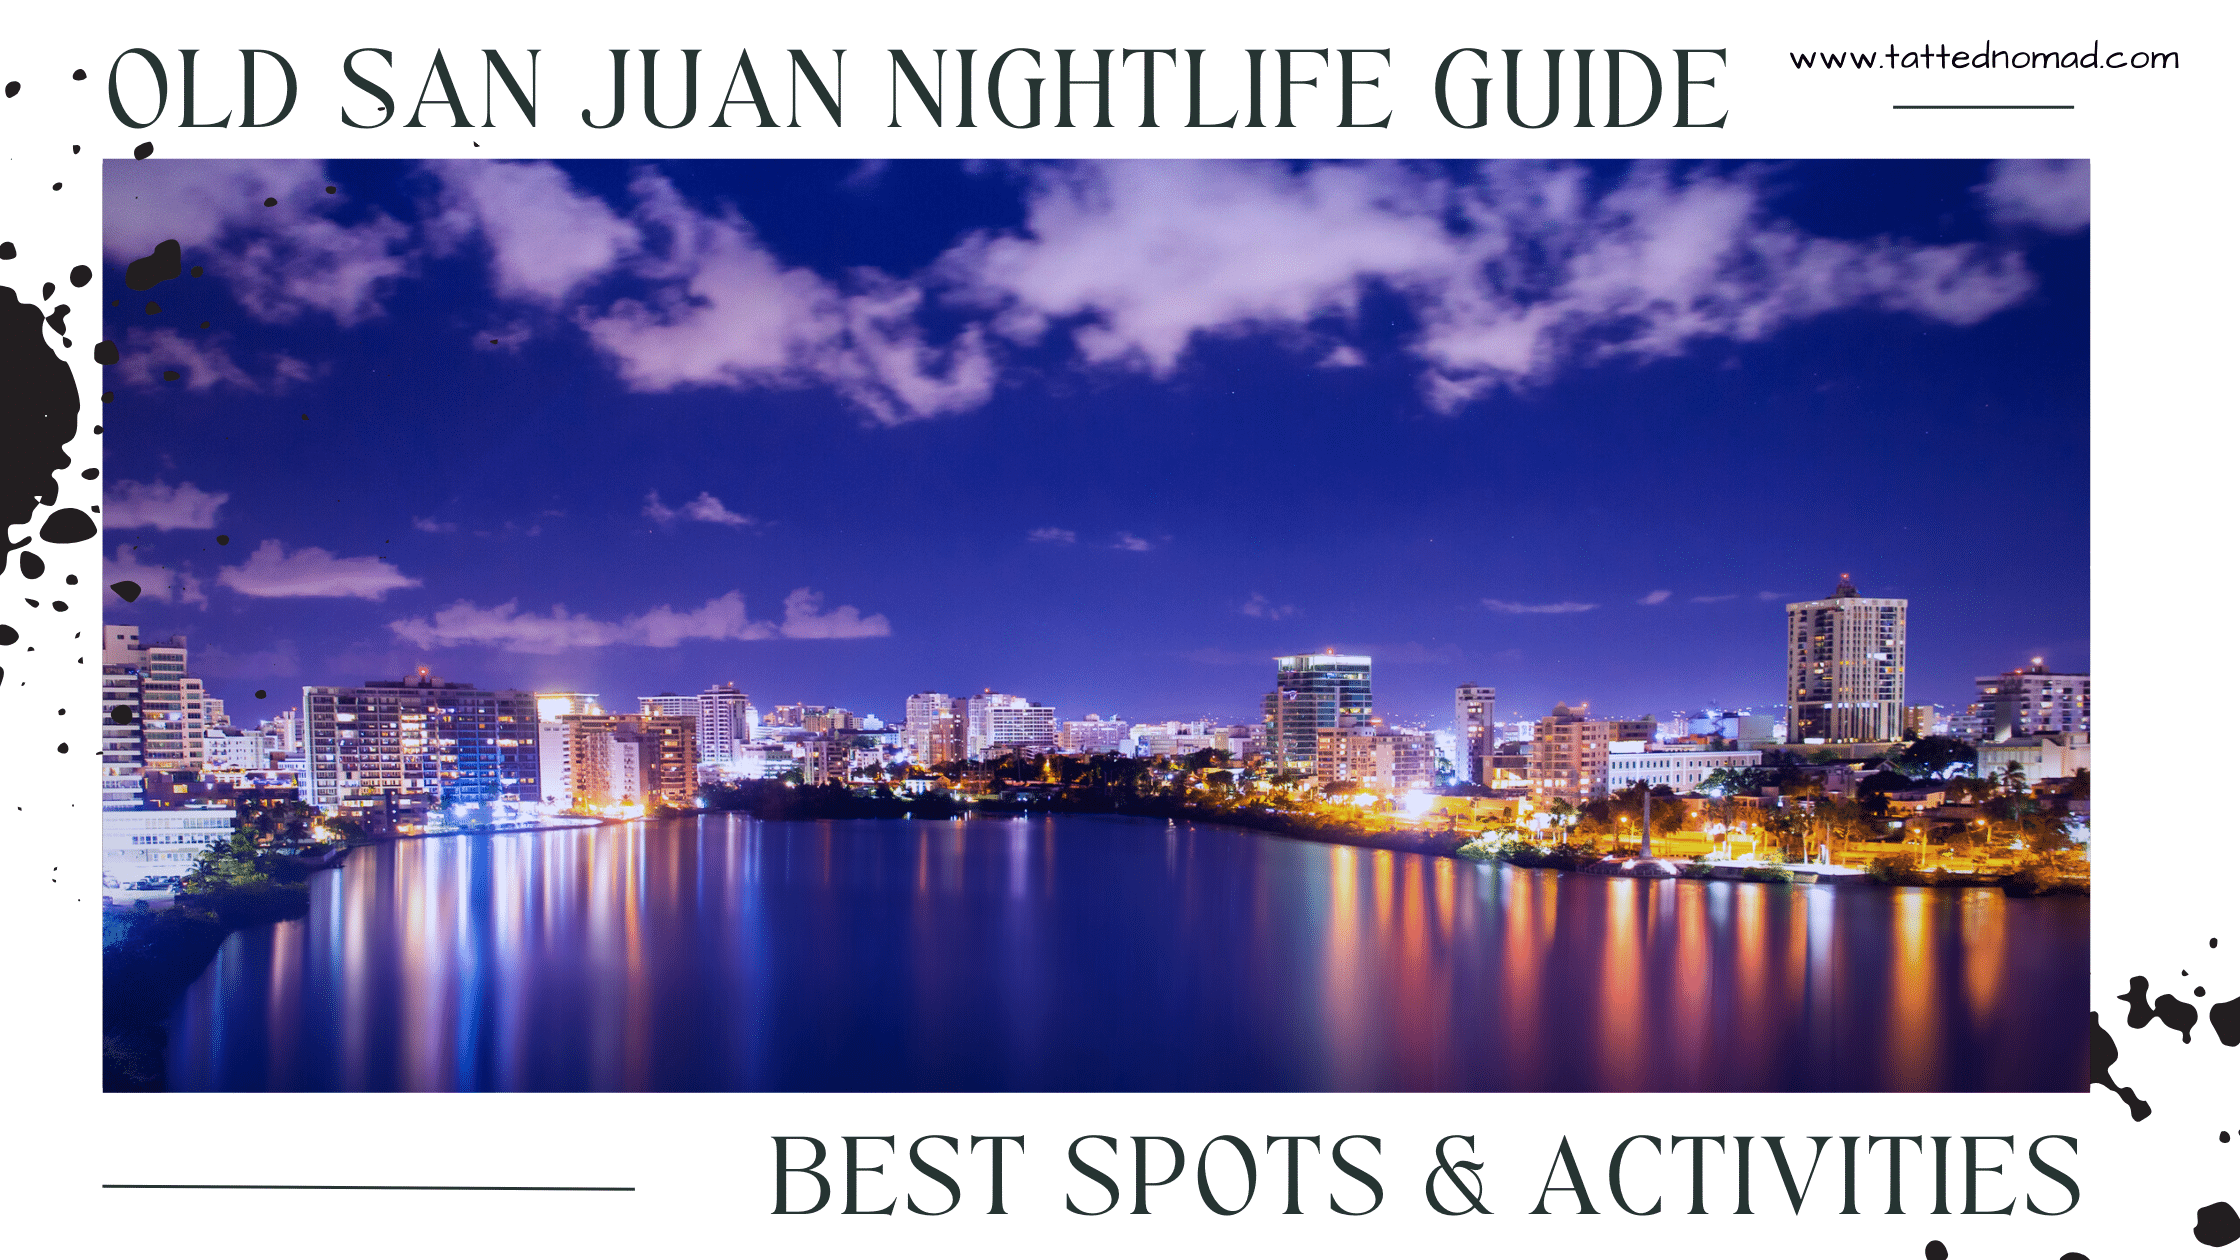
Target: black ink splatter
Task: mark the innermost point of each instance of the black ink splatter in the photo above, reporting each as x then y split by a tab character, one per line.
7	635
2225	1018
141	150
126	591
32	565
2104	1057
1935	1250
7	250
260	693
62	748
78	76
161	264
81	276
70	525
270	202
13	88
121	715
224	539
38	416
105	354
2180	1016
55	317
2216	1225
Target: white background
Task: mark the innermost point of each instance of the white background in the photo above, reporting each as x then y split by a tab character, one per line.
2162	275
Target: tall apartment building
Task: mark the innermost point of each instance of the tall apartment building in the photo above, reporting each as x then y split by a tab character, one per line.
1847	669
995	723
670	704
919	712
171	705
552	704
1314	692
418	743
633	758
1384	762
121	767
1474	735
726	724
1571	751
2032	700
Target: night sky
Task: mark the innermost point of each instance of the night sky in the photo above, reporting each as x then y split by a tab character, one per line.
1106	436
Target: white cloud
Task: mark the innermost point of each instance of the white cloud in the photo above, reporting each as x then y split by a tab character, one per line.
724	311
272	572
2054	195
1654	598
159	505
1709	599
158	582
1769	595
1052	534
723	618
281	261
1515	272
804	621
509	338
707	508
1512	606
546	240
430	525
1344	356
1126	541
201	364
1259	606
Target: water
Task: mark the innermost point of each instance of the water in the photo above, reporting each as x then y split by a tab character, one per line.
1112	954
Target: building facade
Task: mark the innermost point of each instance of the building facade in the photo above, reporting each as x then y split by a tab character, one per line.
1473	728
1683	769
1847	669
2033	700
1387	763
1314	692
995	723
1571	751
418	744
627	759
1093	734
726	724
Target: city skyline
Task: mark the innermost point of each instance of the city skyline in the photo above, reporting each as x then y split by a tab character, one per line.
996	459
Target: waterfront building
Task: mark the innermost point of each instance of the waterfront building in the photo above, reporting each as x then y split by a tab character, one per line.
1679	767
1509	765
1314	692
628	758
144	846
1473	728
669	704
1570	756
417	744
1094	734
1388	763
2032	700
552	704
1847	669
996	723
170	706
726	724
919	712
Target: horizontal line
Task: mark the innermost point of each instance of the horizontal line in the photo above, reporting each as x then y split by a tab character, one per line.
247	1187
1983	107
171	1186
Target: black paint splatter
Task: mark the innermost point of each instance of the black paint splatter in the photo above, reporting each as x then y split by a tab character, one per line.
260	693
2179	1015
1935	1250
126	591
2104	1057
161	264
81	276
38	416
141	150
2225	1018
2216	1225
121	715
7	250
69	525
7	635
32	565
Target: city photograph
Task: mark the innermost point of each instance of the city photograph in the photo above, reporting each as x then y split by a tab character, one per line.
781	625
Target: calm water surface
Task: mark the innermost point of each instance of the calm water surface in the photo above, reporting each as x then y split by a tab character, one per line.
1111	954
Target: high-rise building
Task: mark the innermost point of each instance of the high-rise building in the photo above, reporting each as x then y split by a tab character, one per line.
1314	692
1473	728
726	724
170	706
1571	751
2032	700
416	744
919	713
1385	762
670	704
627	758
120	736
996	723
1847	669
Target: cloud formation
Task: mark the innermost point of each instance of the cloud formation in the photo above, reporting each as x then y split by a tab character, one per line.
160	505
296	257
273	572
1125	541
1654	598
201	364
1260	606
1052	534
161	583
430	525
1512	606
1709	599
707	508
2053	195
721	619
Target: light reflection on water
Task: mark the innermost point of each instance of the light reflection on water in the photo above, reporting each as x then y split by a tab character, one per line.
1111	954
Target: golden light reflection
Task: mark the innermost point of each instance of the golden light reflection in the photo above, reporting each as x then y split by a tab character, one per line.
1983	929
1911	1029
1621	1018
